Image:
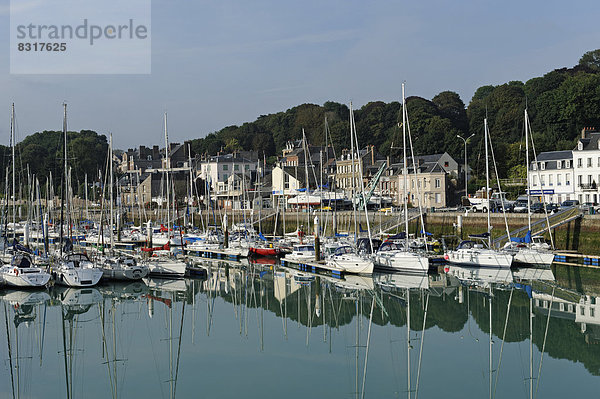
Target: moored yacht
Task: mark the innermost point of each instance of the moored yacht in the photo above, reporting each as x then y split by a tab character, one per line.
21	272
301	253
121	268
76	270
393	257
347	259
470	253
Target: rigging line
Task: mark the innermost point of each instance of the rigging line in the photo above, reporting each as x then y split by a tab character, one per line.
367	350
105	349
499	187
421	348
537	384
12	380
179	348
503	340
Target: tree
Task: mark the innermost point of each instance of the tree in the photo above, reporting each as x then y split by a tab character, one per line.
591	60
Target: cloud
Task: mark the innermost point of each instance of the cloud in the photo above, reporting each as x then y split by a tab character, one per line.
19	7
265	45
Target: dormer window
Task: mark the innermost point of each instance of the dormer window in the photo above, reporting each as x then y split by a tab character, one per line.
543	165
559	164
580	146
535	166
567	164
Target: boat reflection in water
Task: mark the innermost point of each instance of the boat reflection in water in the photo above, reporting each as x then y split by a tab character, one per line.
381	336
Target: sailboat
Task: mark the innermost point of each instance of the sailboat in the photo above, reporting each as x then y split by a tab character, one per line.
159	264
21	272
118	267
72	269
392	257
530	250
481	254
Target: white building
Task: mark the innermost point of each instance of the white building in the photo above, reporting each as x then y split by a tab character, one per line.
586	160
217	170
554	174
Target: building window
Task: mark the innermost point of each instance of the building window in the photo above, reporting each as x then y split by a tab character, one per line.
535	166
438	198
225	167
589	162
542	181
446	164
559	164
579	180
567	179
580	146
582	310
543	165
567	164
579	162
225	176
246	167
558	182
438	183
589	179
534	178
236	167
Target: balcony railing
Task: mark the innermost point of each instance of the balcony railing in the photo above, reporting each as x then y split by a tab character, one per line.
589	186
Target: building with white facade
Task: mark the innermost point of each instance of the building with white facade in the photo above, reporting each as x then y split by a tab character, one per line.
586	160
554	174
216	170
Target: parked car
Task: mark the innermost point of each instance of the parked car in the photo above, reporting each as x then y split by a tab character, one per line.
569	204
520	207
538	207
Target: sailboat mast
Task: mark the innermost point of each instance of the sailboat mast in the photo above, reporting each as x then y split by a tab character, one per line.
527	169
167	167
110	168
487	180
405	169
14	198
353	174
63	181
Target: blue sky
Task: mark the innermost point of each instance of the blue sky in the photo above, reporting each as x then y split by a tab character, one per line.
218	63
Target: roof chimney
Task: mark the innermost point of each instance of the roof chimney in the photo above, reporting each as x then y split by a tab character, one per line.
372	155
586	131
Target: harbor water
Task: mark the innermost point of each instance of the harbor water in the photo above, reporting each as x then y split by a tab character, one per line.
263	331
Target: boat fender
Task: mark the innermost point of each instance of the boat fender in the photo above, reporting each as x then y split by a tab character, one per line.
16	271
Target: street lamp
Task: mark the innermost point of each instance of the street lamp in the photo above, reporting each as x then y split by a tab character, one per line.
466	167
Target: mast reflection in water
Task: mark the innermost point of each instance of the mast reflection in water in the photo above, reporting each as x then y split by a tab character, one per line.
268	331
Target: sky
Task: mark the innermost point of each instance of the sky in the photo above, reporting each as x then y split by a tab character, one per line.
221	63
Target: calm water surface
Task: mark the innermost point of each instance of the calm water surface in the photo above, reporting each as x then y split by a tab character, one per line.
258	331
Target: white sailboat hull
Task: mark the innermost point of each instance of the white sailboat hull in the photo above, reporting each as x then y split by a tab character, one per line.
81	277
475	257
166	267
127	273
533	257
23	277
352	264
407	262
